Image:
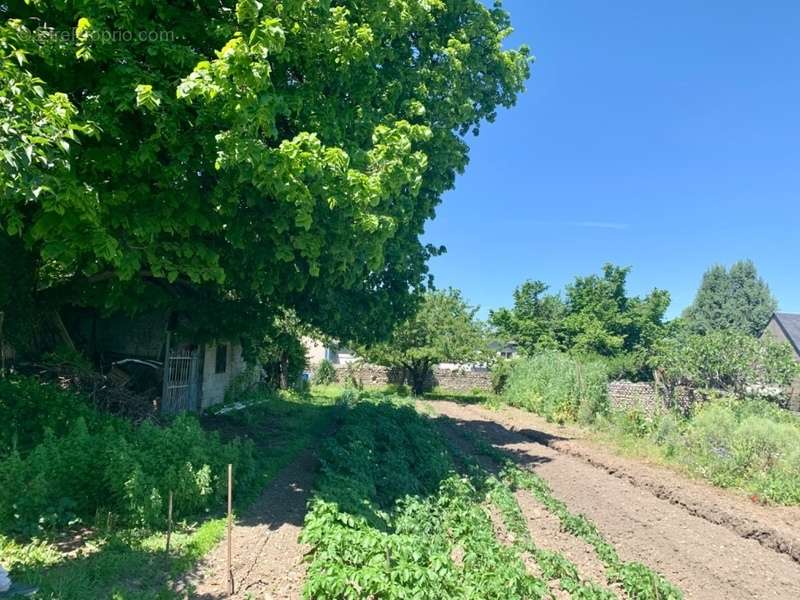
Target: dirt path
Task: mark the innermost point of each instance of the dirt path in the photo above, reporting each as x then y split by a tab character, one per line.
267	556
674	533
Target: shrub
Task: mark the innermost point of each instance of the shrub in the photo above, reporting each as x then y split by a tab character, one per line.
725	360
28	407
104	464
325	373
737	444
559	387
501	371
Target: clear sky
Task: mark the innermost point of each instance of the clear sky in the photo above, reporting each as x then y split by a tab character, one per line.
660	135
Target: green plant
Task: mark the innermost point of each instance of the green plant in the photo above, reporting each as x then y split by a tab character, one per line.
76	462
29	407
638	580
197	160
725	360
558	387
391	519
325	373
501	371
444	329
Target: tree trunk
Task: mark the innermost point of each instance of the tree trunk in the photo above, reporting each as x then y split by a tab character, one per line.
419	375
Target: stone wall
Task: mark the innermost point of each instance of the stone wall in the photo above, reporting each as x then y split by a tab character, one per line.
446	379
626	395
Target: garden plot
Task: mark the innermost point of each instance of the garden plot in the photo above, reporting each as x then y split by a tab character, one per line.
402	511
704	559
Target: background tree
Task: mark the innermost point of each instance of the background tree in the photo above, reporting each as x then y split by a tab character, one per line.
535	321
596	317
234	159
444	329
737	299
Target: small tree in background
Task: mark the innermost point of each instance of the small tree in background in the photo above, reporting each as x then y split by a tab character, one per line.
737	299
325	373
444	329
726	360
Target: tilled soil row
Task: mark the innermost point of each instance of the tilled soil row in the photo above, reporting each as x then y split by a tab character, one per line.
703	558
544	527
777	528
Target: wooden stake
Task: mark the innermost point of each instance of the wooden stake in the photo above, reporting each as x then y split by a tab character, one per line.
230	528
169	522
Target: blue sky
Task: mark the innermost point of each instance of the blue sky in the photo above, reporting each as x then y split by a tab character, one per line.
663	136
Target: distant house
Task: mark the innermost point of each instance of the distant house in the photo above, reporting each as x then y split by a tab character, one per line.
508	349
786	327
317	351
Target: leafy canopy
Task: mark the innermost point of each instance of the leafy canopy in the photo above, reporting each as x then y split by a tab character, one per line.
735	299
234	157
727	360
595	317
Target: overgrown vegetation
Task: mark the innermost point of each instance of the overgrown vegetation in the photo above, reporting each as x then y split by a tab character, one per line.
559	387
748	444
93	454
73	467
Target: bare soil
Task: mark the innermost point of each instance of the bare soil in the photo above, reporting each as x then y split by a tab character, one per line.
267	558
710	543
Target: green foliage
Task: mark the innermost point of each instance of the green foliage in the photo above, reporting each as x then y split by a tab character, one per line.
118	562
444	329
727	360
558	387
736	299
73	463
391	519
501	372
325	373
535	321
748	444
232	158
596	318
29	407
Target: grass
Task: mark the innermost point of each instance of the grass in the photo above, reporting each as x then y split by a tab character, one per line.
130	564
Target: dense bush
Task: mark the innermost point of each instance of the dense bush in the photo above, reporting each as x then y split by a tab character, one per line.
95	464
325	373
749	444
725	360
28	407
558	387
501	371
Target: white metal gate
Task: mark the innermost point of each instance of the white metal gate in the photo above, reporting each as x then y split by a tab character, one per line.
181	382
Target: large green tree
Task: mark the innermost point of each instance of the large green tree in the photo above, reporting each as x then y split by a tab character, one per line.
736	299
444	329
596	316
237	158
